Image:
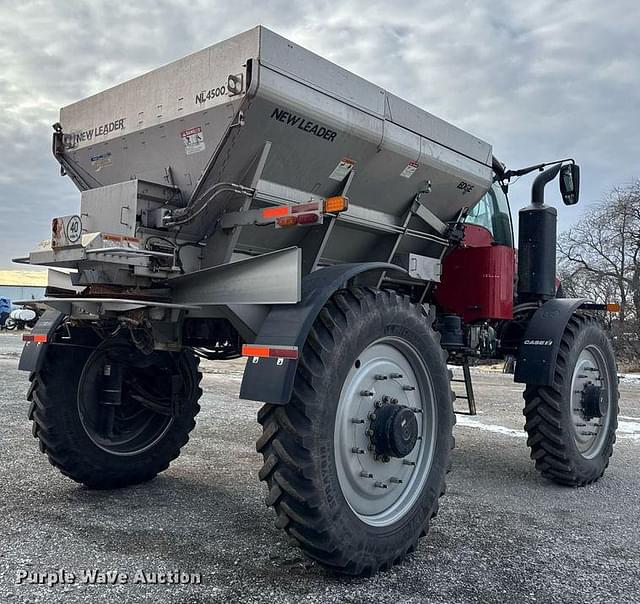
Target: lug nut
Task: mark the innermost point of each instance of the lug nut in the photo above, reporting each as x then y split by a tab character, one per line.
408	388
357	420
406	462
395	480
380	485
385	399
372	417
366	475
369	432
394	401
377	404
366	393
380	376
395	376
357	450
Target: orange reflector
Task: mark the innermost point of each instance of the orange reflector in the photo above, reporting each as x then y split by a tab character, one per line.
336	204
275	212
282	352
285	221
255	351
30	337
613	307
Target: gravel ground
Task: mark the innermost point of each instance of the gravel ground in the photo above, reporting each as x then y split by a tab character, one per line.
503	533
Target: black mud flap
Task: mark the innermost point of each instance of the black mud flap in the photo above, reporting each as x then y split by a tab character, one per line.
271	380
538	351
34	352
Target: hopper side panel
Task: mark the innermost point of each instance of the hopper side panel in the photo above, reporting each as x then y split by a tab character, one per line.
195	83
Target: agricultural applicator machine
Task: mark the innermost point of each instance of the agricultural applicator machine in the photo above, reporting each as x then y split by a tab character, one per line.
255	199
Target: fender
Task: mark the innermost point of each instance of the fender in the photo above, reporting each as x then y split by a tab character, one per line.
271	380
33	353
538	351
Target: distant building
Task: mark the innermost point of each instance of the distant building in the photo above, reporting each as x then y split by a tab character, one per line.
22	285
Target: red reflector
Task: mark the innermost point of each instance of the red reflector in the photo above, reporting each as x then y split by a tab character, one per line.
289	352
275	212
308	218
281	352
39	338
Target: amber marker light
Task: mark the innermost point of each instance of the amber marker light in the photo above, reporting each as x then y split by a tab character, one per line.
333	205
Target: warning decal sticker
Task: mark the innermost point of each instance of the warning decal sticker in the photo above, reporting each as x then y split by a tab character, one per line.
193	140
101	161
342	169
410	169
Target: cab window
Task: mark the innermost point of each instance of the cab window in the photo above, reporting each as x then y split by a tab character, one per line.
492	213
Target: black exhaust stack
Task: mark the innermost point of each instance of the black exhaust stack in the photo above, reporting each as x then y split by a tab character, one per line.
537	244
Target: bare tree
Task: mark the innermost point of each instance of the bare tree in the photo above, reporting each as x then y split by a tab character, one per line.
603	248
599	258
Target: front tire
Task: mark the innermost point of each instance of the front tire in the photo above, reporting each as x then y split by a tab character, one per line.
105	447
340	479
572	423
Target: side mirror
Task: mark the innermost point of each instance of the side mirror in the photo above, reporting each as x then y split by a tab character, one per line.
570	183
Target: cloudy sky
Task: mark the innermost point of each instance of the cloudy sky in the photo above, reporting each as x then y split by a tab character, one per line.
539	80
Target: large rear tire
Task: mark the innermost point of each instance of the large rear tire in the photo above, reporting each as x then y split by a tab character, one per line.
109	446
356	462
572	423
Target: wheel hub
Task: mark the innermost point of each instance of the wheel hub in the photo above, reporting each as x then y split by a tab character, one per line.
590	396
385	431
594	403
126	400
394	431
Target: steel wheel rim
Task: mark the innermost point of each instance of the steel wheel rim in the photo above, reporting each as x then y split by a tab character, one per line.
375	505
150	427
590	434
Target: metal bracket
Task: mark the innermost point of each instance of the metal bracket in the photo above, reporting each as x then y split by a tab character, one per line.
424	268
314	244
97	306
429	217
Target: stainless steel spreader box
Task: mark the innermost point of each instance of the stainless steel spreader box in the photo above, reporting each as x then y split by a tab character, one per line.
262	112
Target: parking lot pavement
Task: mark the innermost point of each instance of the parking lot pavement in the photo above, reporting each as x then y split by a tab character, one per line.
503	532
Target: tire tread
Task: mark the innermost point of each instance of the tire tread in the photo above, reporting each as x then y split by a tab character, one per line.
288	433
546	432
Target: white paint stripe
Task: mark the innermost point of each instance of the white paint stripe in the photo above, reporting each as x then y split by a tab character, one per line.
469	422
632	428
626	430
